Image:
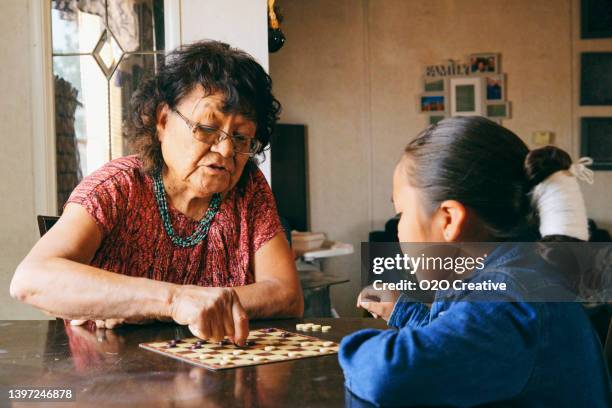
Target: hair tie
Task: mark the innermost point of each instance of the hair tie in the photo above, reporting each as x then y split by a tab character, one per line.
580	170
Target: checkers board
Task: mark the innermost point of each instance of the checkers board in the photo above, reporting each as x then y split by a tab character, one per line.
264	346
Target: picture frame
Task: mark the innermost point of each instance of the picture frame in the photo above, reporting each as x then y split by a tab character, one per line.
498	110
596	141
434	119
596	78
495	87
434	84
595	19
433	103
467	96
484	63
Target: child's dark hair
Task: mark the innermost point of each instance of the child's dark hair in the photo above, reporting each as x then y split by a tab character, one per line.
487	168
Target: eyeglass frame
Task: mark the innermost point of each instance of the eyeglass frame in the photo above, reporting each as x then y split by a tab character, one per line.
193	126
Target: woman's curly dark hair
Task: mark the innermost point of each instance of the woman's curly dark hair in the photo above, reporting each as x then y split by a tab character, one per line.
215	66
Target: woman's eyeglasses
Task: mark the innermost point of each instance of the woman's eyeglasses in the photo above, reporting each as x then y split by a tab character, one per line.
211	136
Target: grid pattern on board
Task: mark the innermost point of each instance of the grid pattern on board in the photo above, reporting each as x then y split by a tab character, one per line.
282	346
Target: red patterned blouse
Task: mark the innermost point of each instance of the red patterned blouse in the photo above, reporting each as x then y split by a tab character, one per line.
120	199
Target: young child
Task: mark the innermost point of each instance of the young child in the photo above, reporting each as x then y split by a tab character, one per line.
471	180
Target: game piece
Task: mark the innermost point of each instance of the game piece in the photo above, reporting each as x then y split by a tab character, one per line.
316	327
265	347
171	343
299	327
268	330
223	342
325	329
306	327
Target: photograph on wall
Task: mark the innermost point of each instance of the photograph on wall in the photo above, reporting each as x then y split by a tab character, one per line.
496	87
498	110
466	96
434	119
432	103
434	84
484	63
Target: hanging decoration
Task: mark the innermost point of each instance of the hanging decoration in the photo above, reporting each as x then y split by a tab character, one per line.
276	38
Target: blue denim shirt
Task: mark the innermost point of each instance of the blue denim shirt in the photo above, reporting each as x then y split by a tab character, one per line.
466	352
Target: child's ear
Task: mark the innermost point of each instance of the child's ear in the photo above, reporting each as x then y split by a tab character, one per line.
451	220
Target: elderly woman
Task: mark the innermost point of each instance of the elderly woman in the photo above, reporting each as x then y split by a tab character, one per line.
187	228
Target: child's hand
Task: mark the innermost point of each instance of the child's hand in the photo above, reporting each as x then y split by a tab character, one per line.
379	303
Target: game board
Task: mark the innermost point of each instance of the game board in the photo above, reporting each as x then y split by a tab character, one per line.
264	346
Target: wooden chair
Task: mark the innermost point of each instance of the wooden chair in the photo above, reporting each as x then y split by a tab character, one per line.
45	222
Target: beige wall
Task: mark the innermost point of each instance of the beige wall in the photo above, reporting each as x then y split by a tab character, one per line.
351	71
17	214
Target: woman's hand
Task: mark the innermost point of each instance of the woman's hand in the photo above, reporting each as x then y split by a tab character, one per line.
211	313
379	303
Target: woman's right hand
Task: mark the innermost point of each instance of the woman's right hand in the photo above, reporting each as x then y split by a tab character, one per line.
211	313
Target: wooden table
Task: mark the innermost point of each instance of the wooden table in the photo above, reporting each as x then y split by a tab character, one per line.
107	368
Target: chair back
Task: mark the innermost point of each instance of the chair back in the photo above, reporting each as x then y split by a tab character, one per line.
45	222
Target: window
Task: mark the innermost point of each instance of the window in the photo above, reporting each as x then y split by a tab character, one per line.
101	51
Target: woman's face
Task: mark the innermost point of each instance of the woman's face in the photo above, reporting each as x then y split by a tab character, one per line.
202	168
415	225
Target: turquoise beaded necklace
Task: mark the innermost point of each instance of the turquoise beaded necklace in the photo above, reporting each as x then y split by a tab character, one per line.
201	231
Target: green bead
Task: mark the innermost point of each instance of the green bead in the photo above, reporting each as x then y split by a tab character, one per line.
203	226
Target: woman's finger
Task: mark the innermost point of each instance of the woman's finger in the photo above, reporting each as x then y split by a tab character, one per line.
216	323
197	332
241	323
228	321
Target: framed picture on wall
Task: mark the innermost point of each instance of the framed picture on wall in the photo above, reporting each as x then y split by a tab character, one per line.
434	119
434	84
496	87
498	110
433	103
486	63
466	96
596	141
596	19
596	78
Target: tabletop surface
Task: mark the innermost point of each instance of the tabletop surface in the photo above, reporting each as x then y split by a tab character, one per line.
106	367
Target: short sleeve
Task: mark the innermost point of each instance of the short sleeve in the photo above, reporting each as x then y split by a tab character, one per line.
264	221
103	195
